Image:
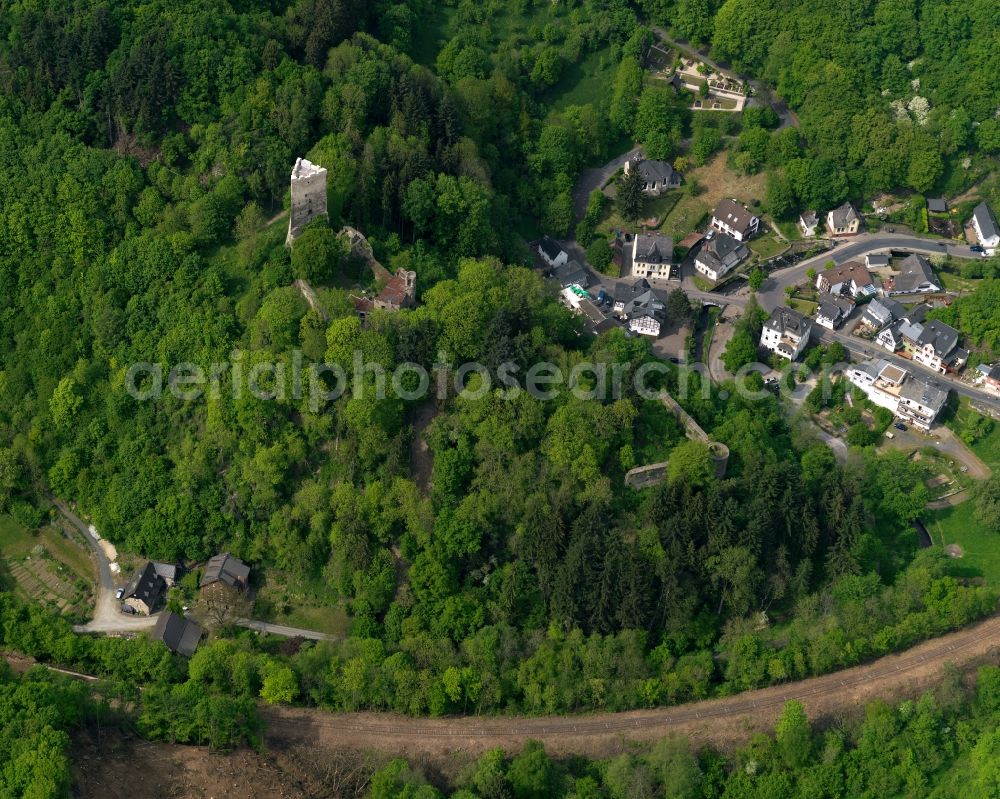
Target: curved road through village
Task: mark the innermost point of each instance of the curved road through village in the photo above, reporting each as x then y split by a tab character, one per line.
718	721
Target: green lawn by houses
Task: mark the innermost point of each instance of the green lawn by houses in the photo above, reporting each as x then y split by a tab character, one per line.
980	545
986	447
767	246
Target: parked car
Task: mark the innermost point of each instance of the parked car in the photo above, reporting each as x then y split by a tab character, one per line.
889	434
119	593
900	426
977	248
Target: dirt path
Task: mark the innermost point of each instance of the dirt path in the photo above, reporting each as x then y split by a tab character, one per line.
421	460
309	295
722	722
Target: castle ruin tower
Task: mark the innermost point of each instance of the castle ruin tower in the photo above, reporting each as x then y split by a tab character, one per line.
308	196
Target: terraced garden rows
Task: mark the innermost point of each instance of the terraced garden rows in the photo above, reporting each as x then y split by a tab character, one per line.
37	580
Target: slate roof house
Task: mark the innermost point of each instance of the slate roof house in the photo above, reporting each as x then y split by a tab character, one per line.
786	332
551	252
876	261
985	225
732	218
915	277
808	222
144	591
719	256
657	176
843	221
570	273
879	313
170	572
179	634
933	344
626	292
652	255
225	569
833	310
644	314
937	205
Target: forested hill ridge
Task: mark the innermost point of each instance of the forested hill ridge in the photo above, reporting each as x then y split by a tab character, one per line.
144	149
896	94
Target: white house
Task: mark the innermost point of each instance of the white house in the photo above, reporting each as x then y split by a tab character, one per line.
849	278
657	176
915	277
879	313
889	386
733	219
719	256
652	255
833	310
551	252
786	332
933	344
985	225
843	221
808	222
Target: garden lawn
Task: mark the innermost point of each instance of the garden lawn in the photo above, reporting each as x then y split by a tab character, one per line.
767	246
980	545
987	448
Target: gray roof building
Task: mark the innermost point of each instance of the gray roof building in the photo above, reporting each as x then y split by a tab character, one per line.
179	634
735	217
550	247
144	589
842	217
788	321
625	292
937	205
652	248
983	217
879	313
170	572
923	393
722	253
943	338
570	273
915	276
658	173
226	569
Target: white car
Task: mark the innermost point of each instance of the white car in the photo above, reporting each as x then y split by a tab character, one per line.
119	593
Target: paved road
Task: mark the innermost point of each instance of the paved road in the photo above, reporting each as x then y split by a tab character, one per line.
108	617
594	178
717	721
772	293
